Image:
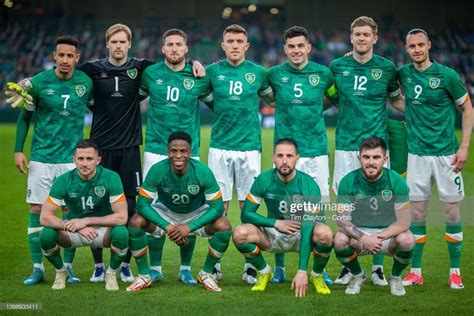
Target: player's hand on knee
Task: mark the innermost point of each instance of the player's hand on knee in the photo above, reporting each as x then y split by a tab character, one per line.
182	242
89	233
287	226
372	243
75	224
300	283
21	163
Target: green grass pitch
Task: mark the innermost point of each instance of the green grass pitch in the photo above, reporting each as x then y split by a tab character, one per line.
171	297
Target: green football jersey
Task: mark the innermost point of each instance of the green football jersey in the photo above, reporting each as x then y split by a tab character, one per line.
431	97
363	90
173	106
235	92
299	100
90	198
373	203
185	194
59	107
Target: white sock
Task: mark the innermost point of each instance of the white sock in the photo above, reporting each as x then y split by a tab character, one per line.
110	270
156	268
61	270
218	266
376	266
266	270
125	264
416	270
181	268
99	265
455	270
39	265
314	274
248	265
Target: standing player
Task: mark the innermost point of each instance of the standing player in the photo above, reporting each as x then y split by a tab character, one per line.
179	197
285	191
174	105
116	124
60	96
374	216
97	214
364	81
234	153
300	86
433	92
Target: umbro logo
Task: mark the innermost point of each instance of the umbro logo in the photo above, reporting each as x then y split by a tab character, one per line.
345	73
220	77
285	79
103	75
409	80
50	92
159	81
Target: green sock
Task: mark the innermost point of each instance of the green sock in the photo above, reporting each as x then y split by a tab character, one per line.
69	254
321	257
419	231
454	238
139	248
50	247
217	246
401	259
156	249
119	245
186	252
348	257
280	260
377	260
34	229
254	255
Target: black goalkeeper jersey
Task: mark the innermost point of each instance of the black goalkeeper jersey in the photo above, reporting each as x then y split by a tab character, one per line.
116	111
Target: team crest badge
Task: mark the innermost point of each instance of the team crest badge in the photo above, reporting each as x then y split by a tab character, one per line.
387	195
188	84
80	90
99	191
132	73
314	80
193	189
376	74
250	77
434	82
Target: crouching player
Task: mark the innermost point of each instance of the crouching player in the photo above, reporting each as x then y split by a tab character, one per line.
285	189
373	216
179	197
96	216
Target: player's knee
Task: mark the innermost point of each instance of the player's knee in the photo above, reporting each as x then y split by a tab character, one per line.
451	212
405	240
137	221
119	236
222	224
240	234
340	241
323	234
47	237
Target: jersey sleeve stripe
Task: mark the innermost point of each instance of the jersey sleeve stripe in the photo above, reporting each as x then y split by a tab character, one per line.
266	91
147	194
117	198
213	196
462	99
254	199
394	93
53	201
402	206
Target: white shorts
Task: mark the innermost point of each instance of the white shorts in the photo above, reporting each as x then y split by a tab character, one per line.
233	166
282	242
345	162
422	171
79	241
149	159
41	177
318	168
178	218
374	231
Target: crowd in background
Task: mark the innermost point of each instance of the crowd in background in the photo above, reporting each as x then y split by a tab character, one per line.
26	44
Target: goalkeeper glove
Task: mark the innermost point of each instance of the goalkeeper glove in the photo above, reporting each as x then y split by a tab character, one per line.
17	96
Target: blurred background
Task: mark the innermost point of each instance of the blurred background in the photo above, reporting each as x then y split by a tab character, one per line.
29	29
